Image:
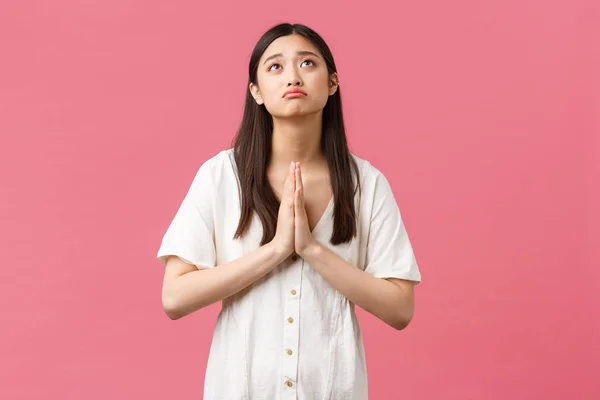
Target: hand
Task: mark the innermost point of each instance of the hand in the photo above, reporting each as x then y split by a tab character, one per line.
284	234
303	239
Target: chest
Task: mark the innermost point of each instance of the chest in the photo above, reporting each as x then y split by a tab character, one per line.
319	206
317	196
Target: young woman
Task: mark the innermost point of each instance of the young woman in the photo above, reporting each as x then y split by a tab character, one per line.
289	230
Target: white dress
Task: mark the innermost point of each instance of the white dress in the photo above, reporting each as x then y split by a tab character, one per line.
290	335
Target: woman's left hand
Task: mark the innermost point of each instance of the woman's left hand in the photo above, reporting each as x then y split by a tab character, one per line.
302	235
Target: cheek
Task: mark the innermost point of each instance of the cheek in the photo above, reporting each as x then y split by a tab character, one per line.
269	93
321	93
321	85
272	101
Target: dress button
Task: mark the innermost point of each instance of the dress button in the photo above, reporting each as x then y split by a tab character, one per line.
289	351
289	383
290	320
293	292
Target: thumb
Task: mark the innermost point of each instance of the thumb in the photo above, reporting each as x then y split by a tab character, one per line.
299	200
289	187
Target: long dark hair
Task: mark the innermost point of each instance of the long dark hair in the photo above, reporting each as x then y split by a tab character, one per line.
252	150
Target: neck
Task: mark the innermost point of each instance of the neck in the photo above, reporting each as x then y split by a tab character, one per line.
296	140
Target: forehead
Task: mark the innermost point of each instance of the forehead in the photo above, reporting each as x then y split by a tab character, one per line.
289	45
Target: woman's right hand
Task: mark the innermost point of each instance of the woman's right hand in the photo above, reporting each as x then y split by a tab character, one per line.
284	234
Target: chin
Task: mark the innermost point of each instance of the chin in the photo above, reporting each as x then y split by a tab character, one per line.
296	112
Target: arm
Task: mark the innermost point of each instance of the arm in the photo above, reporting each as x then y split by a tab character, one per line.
391	300
389	255
187	289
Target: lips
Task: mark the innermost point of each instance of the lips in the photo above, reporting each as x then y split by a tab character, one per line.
294	93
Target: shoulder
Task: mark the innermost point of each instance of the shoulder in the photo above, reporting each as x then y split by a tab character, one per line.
214	173
369	174
375	188
217	161
217	165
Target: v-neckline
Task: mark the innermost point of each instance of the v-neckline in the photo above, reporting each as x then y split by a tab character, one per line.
324	215
255	216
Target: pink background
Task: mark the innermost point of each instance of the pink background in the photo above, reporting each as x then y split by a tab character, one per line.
485	116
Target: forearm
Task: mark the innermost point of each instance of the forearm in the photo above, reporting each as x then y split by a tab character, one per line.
382	298
197	289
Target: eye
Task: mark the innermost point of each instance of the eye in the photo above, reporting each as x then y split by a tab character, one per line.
312	63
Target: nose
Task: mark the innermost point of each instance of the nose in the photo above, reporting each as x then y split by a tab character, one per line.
294	79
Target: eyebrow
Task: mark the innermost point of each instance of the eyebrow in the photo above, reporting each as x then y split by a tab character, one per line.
300	53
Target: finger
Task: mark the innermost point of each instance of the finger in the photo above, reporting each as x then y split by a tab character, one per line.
287	177
299	198
299	176
290	175
286	185
292	183
297	201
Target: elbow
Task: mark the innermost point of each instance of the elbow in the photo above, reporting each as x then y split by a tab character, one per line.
400	325
402	315
171	307
173	314
400	322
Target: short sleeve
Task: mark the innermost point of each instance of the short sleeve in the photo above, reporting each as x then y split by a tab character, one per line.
190	235
389	251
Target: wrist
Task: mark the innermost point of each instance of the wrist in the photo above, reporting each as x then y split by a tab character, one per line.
312	251
277	251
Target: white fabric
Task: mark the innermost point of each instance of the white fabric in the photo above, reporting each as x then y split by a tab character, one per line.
249	356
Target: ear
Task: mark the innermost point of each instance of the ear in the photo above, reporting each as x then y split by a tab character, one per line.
333	83
255	93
